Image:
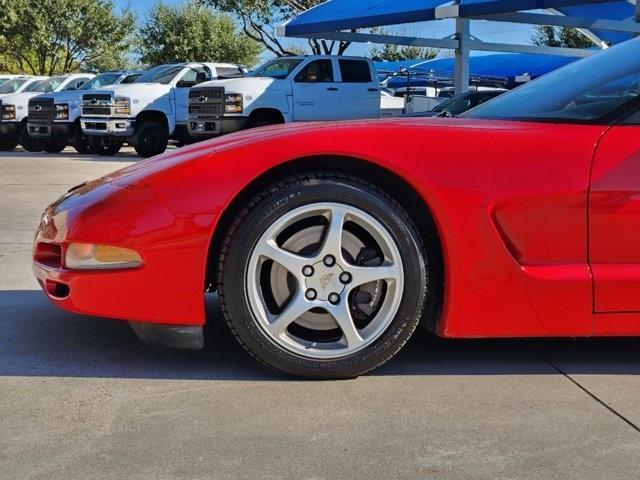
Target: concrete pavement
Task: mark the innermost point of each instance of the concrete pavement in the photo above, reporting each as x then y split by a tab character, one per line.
82	398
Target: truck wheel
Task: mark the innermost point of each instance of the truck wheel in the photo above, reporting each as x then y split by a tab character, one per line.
150	139
29	143
81	142
55	147
8	143
263	119
107	147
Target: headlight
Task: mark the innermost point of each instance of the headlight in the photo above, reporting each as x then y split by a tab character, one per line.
233	103
61	111
88	256
122	106
8	112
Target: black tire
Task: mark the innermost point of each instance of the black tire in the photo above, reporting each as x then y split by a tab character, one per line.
278	200
150	139
81	142
106	147
264	119
8	143
29	143
54	147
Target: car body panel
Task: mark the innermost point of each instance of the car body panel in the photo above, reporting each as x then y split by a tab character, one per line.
510	203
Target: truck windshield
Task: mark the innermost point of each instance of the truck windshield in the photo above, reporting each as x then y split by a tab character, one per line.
46	86
593	90
279	68
11	86
101	81
162	74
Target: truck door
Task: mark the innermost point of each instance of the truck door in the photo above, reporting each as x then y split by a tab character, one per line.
315	92
193	76
614	221
359	90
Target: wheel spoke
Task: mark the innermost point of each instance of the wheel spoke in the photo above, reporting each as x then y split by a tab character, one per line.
342	316
292	262
332	244
291	313
363	275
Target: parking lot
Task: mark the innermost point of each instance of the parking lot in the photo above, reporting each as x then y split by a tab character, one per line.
82	398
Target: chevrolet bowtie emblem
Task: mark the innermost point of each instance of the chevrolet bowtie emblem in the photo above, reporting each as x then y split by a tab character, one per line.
202	99
37	108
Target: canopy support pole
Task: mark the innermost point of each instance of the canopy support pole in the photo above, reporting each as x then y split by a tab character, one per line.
463	36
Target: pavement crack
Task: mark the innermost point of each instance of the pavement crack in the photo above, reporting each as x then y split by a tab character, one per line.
593	396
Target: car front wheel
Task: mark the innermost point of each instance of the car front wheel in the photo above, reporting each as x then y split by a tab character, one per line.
323	276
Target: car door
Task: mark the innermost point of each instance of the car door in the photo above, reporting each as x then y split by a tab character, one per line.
315	92
614	220
359	90
193	76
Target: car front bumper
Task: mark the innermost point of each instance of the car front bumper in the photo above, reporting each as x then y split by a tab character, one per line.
10	128
50	130
119	127
205	127
167	290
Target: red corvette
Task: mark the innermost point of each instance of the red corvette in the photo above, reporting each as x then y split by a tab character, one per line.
328	243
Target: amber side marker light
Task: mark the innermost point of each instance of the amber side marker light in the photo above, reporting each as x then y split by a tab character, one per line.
89	256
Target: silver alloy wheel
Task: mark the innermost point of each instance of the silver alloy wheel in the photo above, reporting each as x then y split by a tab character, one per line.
323	283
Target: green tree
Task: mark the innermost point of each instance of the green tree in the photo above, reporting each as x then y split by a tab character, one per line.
260	19
48	37
560	37
193	32
396	53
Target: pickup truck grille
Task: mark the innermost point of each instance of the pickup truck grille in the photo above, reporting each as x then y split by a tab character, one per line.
206	102
41	110
96	104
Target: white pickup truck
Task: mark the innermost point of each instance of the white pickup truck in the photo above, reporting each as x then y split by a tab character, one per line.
153	109
15	110
54	118
287	89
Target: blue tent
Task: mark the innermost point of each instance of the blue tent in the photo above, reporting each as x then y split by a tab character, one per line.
335	15
506	66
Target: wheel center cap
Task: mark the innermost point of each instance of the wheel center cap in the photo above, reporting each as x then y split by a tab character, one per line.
325	280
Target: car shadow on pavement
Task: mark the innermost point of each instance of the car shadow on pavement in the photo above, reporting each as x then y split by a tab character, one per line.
37	339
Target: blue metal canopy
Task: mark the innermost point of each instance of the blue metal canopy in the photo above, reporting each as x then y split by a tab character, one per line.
335	15
507	66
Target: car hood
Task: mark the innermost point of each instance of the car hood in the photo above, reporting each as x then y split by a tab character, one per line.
69	96
242	85
132	89
19	98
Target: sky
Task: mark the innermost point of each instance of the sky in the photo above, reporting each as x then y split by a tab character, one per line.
490	31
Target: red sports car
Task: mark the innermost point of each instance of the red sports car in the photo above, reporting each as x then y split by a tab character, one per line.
329	243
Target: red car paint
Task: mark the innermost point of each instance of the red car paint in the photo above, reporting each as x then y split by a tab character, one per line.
538	221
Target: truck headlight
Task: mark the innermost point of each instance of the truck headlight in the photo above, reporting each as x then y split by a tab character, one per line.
233	103
61	111
122	106
8	112
89	256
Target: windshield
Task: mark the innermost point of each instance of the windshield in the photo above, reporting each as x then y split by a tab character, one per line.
46	86
587	91
11	86
101	81
279	68
162	74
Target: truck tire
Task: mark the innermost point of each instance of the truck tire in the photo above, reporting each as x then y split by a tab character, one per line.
55	146
150	139
263	119
81	142
106	147
29	143
8	143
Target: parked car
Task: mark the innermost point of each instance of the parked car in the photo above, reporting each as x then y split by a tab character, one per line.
459	104
54	118
328	243
284	90
18	84
15	110
153	109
